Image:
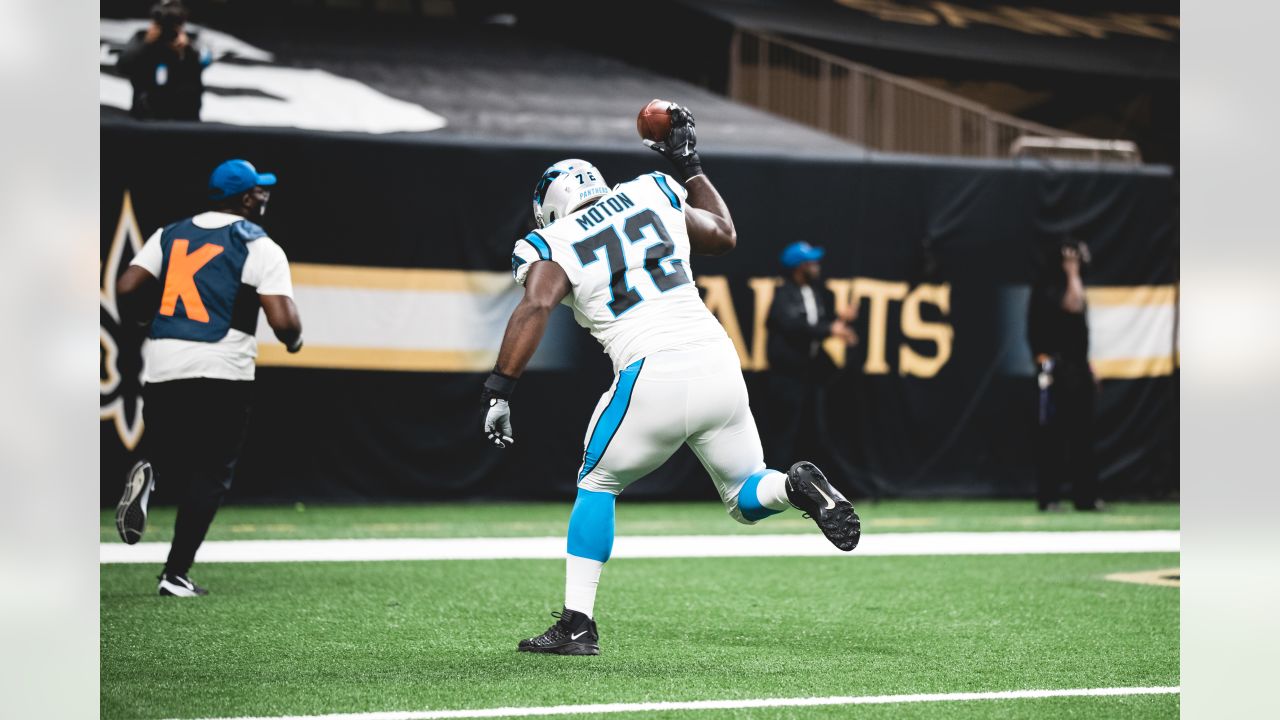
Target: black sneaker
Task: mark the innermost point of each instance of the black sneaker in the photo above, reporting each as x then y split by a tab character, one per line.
808	490
573	634
131	512
179	586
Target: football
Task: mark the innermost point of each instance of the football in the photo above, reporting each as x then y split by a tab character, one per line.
654	120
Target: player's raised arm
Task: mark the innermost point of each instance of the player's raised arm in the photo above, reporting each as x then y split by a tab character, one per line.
707	218
544	287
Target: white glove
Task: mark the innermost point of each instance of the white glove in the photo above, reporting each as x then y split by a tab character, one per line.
497	423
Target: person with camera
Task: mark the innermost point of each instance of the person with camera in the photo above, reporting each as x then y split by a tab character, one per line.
1058	331
165	66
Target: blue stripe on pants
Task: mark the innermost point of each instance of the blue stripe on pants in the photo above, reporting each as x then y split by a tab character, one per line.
591	525
749	502
607	425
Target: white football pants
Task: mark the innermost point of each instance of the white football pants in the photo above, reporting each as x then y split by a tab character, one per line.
672	397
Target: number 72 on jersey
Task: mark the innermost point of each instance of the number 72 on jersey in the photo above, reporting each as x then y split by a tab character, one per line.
626	297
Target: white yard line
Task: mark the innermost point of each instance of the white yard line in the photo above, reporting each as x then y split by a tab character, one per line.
657	546
727	704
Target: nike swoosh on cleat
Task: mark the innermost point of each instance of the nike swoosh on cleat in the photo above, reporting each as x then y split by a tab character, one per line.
830	503
575	636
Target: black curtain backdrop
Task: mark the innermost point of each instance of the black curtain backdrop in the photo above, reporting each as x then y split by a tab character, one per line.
975	226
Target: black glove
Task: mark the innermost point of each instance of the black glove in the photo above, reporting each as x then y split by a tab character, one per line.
680	147
497	420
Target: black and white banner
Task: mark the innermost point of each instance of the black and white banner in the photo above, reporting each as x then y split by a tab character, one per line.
244	85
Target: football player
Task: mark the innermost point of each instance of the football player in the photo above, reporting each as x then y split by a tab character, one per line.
620	258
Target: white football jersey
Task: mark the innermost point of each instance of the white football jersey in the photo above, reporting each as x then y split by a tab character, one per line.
627	258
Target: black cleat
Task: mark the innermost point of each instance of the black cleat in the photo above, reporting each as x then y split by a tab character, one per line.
573	634
179	586
808	490
131	512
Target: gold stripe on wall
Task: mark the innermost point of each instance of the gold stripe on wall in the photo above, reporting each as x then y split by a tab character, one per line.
385	278
1131	295
1130	368
357	358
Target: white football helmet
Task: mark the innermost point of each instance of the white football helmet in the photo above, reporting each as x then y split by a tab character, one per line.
565	187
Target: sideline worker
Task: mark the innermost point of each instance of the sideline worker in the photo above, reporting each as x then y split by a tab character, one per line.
199	283
1058	331
801	317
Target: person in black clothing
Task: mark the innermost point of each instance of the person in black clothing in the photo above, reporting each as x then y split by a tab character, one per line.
1058	331
801	317
165	67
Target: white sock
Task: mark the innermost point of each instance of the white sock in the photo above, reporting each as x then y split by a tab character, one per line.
581	577
772	491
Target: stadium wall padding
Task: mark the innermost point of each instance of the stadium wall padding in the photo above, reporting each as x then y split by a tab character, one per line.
935	253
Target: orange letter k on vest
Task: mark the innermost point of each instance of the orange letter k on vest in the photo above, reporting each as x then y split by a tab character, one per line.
180	281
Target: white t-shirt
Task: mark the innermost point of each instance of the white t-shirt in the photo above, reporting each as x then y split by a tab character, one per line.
231	358
627	258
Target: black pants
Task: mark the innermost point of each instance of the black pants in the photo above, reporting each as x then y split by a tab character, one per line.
194	432
791	428
1064	443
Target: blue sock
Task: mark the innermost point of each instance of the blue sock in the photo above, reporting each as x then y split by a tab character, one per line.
591	525
749	499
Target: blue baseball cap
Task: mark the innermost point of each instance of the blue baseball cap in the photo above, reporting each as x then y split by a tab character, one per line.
234	177
798	253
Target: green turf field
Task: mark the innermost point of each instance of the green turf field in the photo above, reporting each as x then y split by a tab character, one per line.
634	518
313	638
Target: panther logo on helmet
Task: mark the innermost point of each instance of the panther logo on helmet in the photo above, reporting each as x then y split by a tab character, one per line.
564	188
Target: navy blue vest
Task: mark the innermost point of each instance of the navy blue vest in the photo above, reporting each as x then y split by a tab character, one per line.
202	296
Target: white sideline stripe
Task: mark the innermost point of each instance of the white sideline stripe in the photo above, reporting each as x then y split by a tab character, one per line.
725	704
657	546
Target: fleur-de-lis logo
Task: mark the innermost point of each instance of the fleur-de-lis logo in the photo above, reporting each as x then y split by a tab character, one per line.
120	369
